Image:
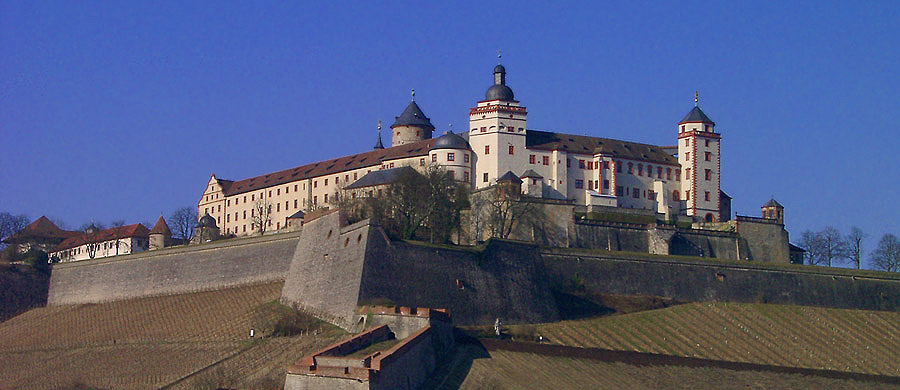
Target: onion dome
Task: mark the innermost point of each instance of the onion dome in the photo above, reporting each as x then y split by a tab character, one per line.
451	141
499	91
206	221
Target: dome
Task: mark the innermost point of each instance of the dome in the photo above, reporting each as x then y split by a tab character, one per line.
499	69
451	141
206	221
499	92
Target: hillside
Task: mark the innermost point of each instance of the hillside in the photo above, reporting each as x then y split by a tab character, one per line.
199	340
857	341
505	369
21	288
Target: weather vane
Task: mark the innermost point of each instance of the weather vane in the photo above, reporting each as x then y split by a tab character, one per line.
499	55
413	93
379	125
696	98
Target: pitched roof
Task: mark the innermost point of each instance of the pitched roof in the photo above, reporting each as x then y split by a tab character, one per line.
340	164
412	116
161	227
773	203
380	177
79	239
509	176
40	228
298	214
582	144
696	115
531	173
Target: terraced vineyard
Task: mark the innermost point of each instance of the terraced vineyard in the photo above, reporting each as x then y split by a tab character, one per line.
181	341
520	370
794	336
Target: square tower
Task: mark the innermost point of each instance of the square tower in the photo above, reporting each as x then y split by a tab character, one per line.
698	155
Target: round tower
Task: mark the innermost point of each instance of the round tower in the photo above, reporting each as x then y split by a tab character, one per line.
160	235
454	154
411	126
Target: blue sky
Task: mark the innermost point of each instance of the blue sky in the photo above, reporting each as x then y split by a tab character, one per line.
122	110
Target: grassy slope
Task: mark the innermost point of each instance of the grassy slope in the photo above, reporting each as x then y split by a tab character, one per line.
793	336
194	340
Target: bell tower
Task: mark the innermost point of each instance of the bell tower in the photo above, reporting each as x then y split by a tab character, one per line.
497	132
698	155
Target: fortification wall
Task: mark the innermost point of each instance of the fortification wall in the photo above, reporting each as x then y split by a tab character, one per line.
506	280
173	270
324	276
613	237
767	239
708	281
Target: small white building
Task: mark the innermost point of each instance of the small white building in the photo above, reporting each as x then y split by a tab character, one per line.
94	243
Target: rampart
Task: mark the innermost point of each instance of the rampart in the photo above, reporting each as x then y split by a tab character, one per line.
698	280
174	270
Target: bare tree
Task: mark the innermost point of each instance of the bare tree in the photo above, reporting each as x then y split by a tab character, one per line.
886	256
854	245
90	234
825	247
117	230
182	223
260	215
500	211
11	224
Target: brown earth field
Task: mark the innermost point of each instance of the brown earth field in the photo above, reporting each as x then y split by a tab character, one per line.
187	341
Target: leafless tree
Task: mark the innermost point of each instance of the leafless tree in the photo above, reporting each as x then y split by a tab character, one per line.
886	256
260	215
90	234
854	245
500	212
182	223
824	247
117	231
11	224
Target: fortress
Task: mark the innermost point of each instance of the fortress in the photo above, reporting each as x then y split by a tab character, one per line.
680	179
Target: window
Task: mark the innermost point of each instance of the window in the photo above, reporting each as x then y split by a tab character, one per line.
687	174
568	162
422	162
346	178
326	198
295	203
606	184
640	169
682	128
677	174
708	156
687	195
228	202
326	182
487	148
511	149
687	141
651	195
706	127
354	173
668	173
687	155
295	188
531	159
635	193
434	158
590	165
278	207
581	164
545	160
579	183
485	177
277	192
707	141
708	174
270	194
466	177
619	166
619	190
631	168
315	184
451	156
465	157
252	197
675	195
706	196
649	171
659	172
389	166
316	199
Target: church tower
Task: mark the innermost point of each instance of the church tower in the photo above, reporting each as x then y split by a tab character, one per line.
411	126
497	132
698	154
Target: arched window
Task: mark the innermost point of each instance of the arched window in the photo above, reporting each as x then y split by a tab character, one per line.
710	217
631	168
640	169
649	170
676	196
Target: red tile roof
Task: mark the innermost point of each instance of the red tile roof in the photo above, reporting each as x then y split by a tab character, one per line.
326	167
161	227
80	238
40	228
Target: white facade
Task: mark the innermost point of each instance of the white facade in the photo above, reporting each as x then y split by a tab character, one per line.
102	249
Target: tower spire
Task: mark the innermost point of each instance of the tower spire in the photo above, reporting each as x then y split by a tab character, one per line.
696	98
413	93
378	144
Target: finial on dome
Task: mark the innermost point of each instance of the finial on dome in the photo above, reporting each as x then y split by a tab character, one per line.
499	56
379	125
696	98
413	93
451	127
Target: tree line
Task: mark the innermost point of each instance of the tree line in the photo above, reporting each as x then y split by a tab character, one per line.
829	247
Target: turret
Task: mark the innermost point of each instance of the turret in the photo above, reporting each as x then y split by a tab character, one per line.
411	126
698	154
160	235
206	230
455	155
773	210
